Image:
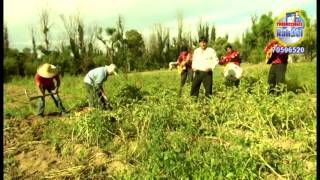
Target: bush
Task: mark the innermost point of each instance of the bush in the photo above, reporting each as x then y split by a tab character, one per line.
30	68
10	68
128	93
256	56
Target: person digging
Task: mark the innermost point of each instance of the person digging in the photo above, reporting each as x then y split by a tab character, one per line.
93	81
47	79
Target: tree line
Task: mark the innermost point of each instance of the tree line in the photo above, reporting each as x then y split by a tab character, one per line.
129	50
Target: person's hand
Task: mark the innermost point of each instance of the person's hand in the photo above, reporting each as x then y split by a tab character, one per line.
105	97
55	91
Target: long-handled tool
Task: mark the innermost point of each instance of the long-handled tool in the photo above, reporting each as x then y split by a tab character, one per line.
35	97
108	105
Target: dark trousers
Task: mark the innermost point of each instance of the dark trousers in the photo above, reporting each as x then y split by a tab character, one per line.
276	76
95	97
232	82
206	79
186	74
57	102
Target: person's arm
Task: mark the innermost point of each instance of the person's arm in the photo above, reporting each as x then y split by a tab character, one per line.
222	60
234	55
215	59
178	62
103	93
39	86
231	57
57	79
189	57
269	46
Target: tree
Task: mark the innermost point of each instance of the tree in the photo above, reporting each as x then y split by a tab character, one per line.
265	29
203	30
179	43
254	40
136	47
45	27
114	42
310	38
70	26
162	34
107	42
120	45
34	45
236	44
220	44
75	29
5	38
213	34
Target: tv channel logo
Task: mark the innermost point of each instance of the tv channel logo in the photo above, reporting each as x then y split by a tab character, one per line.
289	28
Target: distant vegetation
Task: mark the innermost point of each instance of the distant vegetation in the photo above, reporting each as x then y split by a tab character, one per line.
127	48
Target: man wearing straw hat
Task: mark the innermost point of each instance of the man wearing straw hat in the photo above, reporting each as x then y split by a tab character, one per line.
233	71
47	79
93	81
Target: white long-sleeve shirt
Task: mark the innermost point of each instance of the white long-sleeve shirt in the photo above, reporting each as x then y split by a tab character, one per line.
204	60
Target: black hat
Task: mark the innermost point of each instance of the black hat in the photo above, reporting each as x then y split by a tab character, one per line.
184	48
203	38
228	46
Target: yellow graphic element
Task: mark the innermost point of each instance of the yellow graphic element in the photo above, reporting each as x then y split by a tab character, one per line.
284	15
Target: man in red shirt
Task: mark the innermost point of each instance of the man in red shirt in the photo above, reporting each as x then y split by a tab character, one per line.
278	67
231	56
184	67
47	79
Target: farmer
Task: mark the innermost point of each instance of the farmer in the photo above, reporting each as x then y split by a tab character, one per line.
47	78
203	62
184	67
94	84
278	67
232	71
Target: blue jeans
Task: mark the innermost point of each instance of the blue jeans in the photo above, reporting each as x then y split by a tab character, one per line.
56	99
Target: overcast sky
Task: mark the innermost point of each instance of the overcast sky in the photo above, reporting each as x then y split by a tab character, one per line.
230	17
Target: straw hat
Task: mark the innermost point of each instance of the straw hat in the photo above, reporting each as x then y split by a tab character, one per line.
111	69
232	71
47	70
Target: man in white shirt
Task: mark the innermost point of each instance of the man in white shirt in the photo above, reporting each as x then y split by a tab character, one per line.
204	61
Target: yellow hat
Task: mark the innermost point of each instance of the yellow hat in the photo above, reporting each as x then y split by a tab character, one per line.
47	70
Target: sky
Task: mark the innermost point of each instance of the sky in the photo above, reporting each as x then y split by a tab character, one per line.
232	17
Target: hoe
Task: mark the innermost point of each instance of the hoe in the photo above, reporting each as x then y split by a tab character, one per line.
35	97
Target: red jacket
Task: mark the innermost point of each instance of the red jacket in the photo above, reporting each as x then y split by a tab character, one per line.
230	57
276	58
184	55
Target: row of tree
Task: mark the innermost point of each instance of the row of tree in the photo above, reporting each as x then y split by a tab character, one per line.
127	48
